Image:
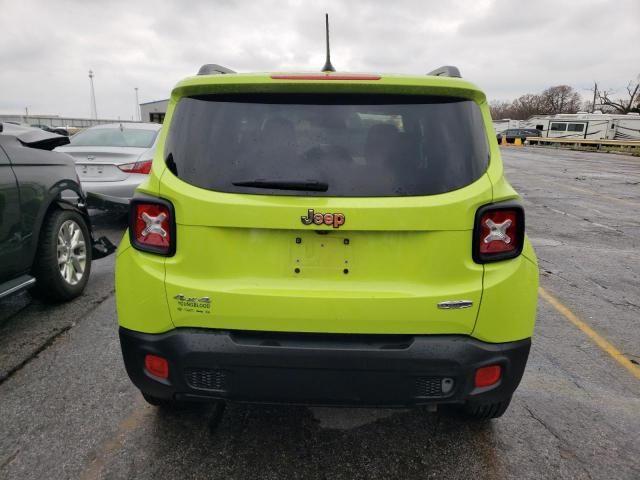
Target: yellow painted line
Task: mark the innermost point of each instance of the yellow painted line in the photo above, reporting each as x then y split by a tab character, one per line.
598	339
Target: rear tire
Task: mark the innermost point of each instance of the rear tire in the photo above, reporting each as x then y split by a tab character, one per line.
63	260
485	411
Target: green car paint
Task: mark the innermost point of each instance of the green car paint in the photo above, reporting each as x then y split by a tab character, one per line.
384	271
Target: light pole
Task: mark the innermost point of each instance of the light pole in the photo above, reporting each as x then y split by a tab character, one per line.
137	110
94	110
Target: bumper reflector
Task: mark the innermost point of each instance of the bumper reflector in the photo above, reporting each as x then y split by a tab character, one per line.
487	376
156	366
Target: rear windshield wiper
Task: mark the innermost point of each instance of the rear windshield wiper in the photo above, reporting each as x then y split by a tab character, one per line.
305	185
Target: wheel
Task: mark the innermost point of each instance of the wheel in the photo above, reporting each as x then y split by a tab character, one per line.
63	259
485	411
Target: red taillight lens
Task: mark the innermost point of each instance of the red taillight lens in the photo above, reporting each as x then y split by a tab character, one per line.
143	167
487	376
152	226
156	366
498	233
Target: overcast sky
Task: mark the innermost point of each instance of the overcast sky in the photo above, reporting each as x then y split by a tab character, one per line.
506	47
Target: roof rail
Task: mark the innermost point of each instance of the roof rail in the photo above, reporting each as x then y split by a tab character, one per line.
213	69
446	71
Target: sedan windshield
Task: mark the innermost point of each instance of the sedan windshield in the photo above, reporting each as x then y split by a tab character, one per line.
115	137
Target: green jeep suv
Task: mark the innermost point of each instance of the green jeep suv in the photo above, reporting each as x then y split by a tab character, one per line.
327	239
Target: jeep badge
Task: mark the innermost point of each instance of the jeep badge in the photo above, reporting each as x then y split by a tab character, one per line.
331	219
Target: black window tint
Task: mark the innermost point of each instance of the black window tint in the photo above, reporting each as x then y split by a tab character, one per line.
558	127
575	127
358	145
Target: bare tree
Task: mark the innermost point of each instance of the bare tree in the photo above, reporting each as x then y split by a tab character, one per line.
560	99
527	105
500	109
628	103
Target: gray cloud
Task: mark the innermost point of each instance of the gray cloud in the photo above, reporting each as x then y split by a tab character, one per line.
508	48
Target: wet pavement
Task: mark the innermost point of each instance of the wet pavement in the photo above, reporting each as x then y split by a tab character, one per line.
69	410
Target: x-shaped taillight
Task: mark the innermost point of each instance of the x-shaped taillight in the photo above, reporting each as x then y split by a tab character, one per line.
153	224
497	231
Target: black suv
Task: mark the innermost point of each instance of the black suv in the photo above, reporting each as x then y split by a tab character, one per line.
44	239
521	133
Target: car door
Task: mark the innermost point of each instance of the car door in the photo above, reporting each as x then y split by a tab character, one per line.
10	224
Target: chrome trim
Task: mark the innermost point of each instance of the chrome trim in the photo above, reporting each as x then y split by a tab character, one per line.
455	304
20	286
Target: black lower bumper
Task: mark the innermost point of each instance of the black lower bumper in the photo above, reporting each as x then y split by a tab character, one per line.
318	369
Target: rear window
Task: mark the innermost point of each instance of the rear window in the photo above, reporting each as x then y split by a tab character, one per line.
114	137
352	145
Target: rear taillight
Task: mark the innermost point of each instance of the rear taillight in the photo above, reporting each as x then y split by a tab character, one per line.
143	167
498	233
152	226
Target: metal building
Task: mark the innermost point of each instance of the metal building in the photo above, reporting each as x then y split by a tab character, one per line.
154	111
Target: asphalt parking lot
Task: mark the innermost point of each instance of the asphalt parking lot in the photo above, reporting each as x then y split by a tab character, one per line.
69	410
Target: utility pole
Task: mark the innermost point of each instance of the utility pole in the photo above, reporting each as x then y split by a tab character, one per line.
26	111
595	92
94	110
137	110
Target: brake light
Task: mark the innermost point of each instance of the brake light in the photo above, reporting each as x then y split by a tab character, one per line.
156	366
326	76
487	376
143	167
152	226
498	232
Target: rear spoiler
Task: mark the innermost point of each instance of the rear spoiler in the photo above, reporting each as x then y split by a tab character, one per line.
34	137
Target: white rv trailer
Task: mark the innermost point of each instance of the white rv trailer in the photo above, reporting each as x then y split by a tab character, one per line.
506	123
595	126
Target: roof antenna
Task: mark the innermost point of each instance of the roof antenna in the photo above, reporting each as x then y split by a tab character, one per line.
327	65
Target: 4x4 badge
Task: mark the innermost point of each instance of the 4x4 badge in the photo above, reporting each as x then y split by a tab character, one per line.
332	219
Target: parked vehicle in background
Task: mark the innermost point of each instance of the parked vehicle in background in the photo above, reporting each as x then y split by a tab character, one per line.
591	126
44	239
113	159
511	134
332	239
49	128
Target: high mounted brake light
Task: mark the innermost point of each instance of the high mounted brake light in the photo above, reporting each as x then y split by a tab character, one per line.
326	76
152	226
143	167
498	233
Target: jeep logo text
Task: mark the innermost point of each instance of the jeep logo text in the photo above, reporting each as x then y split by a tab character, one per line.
331	219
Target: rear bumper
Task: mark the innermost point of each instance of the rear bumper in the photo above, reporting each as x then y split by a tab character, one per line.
114	193
317	369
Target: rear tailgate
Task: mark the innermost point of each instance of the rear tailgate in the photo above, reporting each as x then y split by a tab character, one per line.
384	271
405	172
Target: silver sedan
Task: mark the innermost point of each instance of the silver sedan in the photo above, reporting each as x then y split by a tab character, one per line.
113	159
